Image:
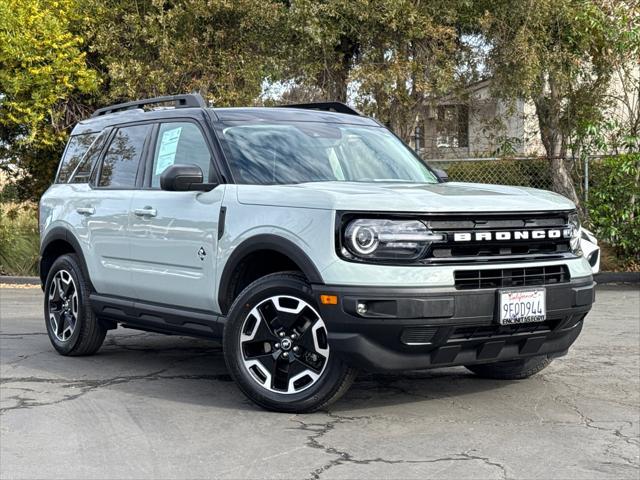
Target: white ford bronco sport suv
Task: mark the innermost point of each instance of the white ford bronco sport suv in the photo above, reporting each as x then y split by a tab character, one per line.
311	240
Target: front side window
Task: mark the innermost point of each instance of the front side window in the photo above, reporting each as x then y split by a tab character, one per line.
181	143
290	153
122	158
75	151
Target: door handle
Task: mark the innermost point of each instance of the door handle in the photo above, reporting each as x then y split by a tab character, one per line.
145	212
86	210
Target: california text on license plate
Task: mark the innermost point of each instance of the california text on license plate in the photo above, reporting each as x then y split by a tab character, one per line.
522	306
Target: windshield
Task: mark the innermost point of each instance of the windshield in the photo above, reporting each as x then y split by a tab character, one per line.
289	153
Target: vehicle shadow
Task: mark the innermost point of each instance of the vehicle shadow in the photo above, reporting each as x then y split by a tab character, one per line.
189	370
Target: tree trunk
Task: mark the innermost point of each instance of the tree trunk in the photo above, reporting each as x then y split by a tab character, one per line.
548	110
338	82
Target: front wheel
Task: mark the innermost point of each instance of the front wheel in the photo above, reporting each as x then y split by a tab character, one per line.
276	347
512	369
71	324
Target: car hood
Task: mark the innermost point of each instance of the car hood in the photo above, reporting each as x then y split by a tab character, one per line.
404	197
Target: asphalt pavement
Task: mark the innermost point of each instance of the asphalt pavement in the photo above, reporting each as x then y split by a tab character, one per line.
150	406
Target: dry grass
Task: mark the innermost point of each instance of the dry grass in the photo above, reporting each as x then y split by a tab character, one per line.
610	262
19	286
19	239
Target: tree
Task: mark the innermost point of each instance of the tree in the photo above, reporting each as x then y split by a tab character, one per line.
44	84
222	49
389	57
561	55
324	43
407	61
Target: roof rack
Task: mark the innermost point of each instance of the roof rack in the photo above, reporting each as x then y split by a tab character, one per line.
337	107
180	101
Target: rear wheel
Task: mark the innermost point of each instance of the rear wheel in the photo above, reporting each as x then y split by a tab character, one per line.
276	347
71	324
511	370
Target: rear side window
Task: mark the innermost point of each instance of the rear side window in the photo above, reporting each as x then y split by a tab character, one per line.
122	158
75	151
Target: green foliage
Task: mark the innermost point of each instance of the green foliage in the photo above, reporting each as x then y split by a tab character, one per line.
528	173
614	203
222	49
19	239
561	54
59	59
391	57
43	78
9	193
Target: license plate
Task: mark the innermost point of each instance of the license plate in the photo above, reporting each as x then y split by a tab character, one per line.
522	306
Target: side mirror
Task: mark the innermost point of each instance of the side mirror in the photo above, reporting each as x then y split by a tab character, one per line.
183	178
441	174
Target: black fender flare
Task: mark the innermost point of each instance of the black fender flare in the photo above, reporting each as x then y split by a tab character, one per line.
64	234
265	242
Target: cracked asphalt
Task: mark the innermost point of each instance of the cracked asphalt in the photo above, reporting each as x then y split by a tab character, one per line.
154	406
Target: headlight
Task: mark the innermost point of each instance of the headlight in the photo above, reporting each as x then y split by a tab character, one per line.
380	239
572	232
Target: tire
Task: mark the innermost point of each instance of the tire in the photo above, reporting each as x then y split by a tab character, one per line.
511	370
297	377
72	326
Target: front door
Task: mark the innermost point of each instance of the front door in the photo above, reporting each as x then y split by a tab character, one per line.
174	234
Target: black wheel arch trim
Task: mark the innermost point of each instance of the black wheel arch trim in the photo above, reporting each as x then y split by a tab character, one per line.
265	242
62	233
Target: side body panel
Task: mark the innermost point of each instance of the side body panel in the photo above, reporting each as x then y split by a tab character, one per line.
309	231
101	231
174	252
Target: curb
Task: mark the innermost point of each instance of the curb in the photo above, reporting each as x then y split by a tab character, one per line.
19	280
617	277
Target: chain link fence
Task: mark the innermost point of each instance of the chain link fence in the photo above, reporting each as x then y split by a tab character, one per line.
522	171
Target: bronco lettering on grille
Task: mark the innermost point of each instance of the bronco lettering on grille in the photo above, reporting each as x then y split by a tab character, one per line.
511	235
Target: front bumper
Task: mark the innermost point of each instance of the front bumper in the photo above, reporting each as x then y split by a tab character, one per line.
416	328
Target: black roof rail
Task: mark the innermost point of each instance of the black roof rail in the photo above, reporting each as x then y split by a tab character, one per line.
337	107
180	101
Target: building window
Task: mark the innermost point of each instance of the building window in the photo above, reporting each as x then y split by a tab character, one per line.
418	139
452	126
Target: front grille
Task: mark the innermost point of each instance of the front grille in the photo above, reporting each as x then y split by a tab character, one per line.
511	277
488	331
503	242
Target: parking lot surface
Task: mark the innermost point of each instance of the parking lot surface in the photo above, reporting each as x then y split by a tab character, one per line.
154	406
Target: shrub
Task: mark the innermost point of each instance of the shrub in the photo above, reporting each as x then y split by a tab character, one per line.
8	192
614	204
19	239
529	172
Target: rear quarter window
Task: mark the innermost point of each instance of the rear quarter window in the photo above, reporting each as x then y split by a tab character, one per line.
85	167
73	154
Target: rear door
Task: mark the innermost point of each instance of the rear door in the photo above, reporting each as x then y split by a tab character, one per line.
174	234
107	209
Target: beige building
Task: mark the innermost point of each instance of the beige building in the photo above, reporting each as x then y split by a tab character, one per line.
484	125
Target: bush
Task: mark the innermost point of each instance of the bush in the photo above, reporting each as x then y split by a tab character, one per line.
614	204
9	193
19	239
528	172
